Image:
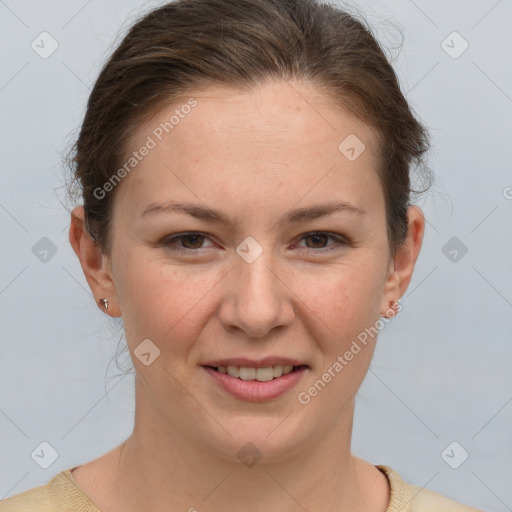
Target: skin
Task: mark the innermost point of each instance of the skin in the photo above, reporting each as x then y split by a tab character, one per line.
253	156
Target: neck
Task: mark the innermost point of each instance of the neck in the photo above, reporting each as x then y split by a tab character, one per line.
160	470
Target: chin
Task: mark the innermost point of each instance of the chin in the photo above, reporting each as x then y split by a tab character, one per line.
257	439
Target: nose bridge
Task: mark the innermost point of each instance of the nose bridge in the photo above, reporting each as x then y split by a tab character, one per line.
257	281
257	300
256	258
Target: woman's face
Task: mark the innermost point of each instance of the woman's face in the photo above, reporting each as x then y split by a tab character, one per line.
260	285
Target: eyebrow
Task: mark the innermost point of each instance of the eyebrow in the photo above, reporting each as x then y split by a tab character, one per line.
204	213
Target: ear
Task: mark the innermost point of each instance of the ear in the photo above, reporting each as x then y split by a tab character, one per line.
95	265
402	265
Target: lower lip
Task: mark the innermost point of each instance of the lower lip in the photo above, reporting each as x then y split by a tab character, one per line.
254	390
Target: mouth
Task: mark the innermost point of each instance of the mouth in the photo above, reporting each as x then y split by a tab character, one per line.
255	381
260	374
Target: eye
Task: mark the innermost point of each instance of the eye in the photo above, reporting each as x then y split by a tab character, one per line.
318	239
189	242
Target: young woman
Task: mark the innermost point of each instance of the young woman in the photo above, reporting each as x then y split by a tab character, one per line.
244	170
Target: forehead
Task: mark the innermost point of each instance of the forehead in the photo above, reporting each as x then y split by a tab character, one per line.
273	144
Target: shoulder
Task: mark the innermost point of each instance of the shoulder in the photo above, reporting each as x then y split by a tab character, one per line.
427	500
412	498
36	499
60	494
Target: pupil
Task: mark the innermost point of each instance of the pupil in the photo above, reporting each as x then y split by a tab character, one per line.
193	237
197	239
317	236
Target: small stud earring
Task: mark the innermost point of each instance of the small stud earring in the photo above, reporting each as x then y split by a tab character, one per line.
395	306
104	303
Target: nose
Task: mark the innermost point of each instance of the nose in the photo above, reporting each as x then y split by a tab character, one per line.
257	298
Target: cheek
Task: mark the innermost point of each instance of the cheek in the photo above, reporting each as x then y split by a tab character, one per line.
171	305
345	297
346	306
164	302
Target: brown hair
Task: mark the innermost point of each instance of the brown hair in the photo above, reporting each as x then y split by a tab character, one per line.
186	44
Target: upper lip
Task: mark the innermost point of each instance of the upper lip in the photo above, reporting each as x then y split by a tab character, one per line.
252	363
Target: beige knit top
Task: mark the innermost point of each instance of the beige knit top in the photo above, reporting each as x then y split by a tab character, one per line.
62	494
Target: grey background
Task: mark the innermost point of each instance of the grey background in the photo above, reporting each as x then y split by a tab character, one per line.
441	371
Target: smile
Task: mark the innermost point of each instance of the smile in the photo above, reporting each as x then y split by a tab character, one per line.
260	374
256	384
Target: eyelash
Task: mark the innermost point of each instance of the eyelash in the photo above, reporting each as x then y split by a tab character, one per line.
169	241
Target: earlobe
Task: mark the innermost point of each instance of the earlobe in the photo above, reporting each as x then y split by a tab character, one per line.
402	265
94	263
391	295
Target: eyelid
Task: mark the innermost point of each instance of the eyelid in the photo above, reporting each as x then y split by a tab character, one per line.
168	240
340	241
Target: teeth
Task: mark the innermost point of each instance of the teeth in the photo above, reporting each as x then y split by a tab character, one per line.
264	374
234	371
277	370
259	374
247	373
